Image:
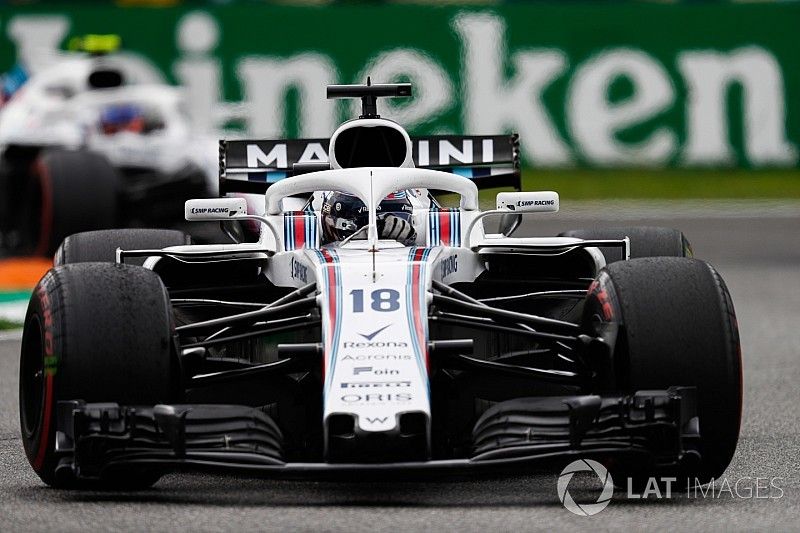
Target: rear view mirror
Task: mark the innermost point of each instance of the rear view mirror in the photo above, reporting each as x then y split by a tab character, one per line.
528	202
215	208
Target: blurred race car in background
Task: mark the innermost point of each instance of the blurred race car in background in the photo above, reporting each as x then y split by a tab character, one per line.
85	145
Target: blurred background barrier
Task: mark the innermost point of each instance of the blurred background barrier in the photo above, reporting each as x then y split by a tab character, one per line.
631	110
587	85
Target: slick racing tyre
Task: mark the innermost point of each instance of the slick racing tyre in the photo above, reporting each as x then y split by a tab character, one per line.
97	332
646	241
675	326
101	245
69	191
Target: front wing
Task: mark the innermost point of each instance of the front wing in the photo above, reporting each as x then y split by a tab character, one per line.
652	431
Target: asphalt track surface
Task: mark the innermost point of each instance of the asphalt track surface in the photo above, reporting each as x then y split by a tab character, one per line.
758	256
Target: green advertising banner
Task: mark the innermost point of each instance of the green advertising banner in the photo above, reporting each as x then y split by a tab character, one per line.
597	85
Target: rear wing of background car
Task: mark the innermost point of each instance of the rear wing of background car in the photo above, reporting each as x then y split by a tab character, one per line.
251	166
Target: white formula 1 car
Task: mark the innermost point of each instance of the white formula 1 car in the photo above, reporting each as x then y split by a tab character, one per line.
456	347
85	145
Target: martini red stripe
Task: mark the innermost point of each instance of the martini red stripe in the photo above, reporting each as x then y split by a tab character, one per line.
299	223
444	225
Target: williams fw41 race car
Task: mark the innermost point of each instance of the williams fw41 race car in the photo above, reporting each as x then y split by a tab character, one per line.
87	143
370	331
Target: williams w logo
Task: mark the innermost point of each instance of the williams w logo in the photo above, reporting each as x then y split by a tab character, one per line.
585	509
372	335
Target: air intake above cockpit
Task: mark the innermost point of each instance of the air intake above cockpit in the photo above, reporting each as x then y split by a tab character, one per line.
367	146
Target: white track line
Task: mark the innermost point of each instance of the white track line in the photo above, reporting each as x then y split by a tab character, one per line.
11	335
14	311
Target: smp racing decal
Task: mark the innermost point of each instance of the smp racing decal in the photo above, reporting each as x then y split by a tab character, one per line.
526	203
214	211
448	265
298	270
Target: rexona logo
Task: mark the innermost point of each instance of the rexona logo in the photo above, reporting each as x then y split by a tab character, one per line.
376	344
525	203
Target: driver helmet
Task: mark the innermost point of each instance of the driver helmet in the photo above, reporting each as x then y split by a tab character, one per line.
343	214
122	117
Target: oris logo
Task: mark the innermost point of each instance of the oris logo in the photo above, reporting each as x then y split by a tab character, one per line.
377	397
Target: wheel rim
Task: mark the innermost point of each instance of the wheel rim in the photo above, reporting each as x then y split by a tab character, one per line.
31	377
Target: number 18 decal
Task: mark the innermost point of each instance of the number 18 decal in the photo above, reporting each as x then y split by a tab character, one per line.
382	300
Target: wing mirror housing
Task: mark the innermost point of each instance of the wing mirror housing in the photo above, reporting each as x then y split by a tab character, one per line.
528	202
215	209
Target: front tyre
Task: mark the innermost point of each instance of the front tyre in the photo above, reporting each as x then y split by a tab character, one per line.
95	332
646	241
675	325
101	245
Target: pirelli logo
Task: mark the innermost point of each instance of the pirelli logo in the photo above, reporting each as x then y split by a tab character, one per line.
376	385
